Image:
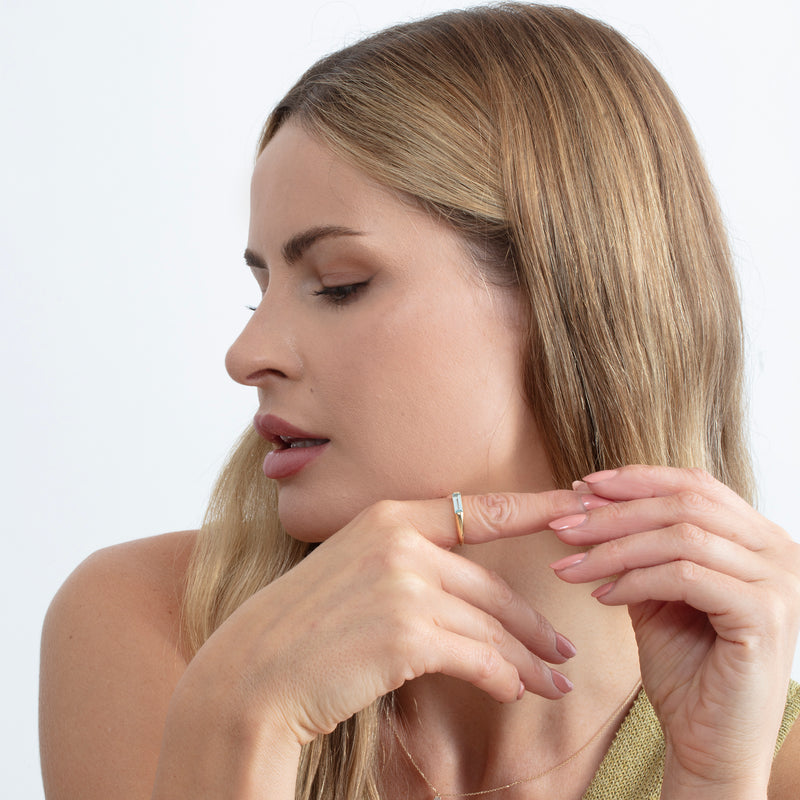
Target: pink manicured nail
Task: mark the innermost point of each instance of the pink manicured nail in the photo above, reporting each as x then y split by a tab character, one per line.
591	501
521	692
562	682
603	475
568	561
580	486
571	521
602	591
565	646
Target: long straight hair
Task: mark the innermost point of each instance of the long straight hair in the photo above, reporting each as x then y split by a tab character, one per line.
560	155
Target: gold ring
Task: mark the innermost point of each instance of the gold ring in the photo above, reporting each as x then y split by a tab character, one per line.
458	509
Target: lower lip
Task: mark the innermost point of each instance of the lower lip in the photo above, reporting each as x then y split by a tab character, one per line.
289	461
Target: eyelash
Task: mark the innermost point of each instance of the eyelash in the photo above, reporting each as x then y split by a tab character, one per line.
340	295
335	295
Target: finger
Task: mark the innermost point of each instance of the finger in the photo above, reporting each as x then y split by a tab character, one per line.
487	517
475	662
487	591
461	618
681	542
640	481
733	607
717	513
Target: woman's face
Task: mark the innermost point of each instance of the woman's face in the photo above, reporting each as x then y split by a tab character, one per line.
375	332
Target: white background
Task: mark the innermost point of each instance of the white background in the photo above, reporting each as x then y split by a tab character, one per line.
126	140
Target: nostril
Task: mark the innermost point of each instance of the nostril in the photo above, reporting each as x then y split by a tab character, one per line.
267	372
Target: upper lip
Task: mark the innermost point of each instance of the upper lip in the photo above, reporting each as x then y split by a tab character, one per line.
279	431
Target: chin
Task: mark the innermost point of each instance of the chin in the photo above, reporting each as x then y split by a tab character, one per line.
312	519
314	512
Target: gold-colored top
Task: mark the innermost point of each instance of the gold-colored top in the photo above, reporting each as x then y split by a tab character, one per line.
634	764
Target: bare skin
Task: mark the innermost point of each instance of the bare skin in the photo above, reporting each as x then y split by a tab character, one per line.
110	663
347	344
118	674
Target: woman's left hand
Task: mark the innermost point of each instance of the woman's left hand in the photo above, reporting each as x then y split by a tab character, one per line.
713	591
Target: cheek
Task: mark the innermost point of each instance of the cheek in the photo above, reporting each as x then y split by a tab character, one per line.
420	378
378	347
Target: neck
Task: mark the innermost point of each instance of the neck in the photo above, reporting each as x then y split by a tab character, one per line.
463	741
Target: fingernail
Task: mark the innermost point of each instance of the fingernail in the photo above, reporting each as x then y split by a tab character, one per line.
561	682
571	521
580	486
565	646
568	561
603	475
591	501
521	692
602	591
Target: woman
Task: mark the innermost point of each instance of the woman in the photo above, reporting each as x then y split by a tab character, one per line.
494	281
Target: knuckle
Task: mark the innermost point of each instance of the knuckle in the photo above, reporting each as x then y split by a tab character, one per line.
782	603
691	500
650	473
690	535
688	571
495	632
386	512
411	591
500	593
615	512
495	510
614	549
488	662
399	545
395	556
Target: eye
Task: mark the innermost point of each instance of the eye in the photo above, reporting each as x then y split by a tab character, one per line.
340	295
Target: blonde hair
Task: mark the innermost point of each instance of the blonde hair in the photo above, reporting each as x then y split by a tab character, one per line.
558	152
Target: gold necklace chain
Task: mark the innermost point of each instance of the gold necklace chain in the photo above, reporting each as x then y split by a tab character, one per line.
437	795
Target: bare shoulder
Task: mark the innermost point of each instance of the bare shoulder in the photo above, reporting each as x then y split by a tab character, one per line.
111	658
134	584
785	779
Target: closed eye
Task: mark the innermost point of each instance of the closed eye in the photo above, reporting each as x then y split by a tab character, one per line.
340	295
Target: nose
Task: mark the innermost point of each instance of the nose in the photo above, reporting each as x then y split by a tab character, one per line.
266	348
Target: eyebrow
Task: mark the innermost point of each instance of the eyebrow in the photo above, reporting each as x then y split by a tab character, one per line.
294	249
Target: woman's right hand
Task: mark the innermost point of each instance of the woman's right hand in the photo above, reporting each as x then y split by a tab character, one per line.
382	601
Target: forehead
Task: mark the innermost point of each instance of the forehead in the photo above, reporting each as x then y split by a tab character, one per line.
299	183
298	178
